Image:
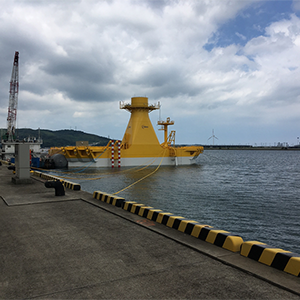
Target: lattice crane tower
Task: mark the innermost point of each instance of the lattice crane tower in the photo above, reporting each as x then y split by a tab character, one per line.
13	99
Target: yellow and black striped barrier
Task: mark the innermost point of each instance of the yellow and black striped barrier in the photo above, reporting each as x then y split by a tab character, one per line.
206	233
71	185
108	198
280	259
220	238
67	184
274	257
42	175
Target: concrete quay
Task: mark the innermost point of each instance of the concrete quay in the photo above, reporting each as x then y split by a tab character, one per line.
77	247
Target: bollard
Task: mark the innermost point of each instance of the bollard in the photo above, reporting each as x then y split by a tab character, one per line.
11	168
57	185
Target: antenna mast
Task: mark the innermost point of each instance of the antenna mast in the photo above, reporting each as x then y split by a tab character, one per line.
13	99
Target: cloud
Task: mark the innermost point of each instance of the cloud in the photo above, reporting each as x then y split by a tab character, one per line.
78	59
241	36
296	5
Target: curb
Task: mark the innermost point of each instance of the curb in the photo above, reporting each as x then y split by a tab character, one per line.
274	257
108	198
277	258
219	238
67	184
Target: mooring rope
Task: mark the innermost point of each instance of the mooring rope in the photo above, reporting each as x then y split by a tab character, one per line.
142	177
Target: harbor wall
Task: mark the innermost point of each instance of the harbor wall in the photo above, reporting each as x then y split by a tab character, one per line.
248	147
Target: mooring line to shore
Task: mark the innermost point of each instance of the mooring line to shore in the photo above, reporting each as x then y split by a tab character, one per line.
142	177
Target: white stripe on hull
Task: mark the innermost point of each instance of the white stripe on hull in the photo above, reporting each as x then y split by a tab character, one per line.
132	162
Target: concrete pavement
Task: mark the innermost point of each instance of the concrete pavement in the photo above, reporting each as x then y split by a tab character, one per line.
75	246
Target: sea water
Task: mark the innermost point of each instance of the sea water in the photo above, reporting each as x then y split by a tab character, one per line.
252	193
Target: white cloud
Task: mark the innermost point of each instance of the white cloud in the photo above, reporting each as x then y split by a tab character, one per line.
79	58
241	36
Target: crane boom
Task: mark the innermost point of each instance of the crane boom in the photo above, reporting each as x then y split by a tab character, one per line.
13	99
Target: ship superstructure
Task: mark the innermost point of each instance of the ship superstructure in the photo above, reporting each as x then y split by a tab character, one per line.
139	146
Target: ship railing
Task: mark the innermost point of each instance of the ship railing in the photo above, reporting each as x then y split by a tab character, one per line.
126	105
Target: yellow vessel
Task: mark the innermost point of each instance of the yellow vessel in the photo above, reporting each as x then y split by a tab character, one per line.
139	145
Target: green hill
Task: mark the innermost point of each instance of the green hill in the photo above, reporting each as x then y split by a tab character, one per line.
60	138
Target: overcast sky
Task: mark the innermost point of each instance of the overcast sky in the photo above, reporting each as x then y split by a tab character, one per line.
227	65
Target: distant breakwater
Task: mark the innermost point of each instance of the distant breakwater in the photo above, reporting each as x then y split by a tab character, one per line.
246	147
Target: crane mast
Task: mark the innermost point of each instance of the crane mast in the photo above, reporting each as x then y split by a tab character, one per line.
13	100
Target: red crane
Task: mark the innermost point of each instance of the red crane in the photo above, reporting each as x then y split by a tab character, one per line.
13	99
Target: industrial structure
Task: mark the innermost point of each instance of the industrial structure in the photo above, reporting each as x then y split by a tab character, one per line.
9	139
13	100
139	146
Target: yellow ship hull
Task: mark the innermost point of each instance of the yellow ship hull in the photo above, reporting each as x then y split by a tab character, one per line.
105	157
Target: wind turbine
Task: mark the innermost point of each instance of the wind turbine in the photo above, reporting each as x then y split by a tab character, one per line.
213	137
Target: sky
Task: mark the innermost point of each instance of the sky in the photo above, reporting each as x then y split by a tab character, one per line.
231	67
